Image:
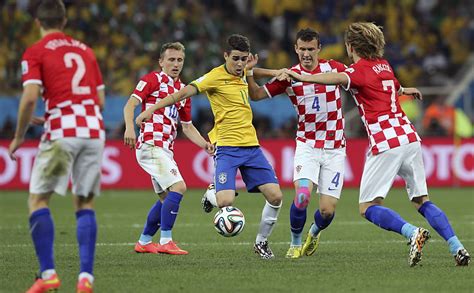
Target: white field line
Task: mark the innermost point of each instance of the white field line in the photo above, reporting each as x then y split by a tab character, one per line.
209	224
243	243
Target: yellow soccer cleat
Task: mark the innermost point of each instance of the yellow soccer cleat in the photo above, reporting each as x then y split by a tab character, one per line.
310	244
294	252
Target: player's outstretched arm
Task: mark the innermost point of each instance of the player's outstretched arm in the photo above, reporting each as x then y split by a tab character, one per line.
411	91
169	100
129	137
331	78
31	92
193	135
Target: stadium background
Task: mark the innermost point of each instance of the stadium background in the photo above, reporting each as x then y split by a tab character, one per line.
429	43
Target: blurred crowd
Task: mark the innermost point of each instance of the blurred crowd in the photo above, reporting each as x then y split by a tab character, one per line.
427	40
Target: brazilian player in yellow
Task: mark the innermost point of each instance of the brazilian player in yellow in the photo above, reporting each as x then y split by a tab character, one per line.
237	143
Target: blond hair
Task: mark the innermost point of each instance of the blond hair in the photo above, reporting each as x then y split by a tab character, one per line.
175	46
366	39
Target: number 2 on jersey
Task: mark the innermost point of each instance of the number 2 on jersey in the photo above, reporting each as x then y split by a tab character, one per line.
78	75
389	84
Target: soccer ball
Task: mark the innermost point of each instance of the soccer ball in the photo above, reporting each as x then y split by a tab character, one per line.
229	221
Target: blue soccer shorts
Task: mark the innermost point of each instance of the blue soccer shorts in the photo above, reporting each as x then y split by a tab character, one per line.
254	167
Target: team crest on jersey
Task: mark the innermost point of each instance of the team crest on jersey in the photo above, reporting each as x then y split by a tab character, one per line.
298	168
24	67
174	172
222	177
141	85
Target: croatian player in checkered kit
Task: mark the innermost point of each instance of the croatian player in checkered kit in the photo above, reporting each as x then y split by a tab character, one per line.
395	147
65	72
320	142
235	136
154	146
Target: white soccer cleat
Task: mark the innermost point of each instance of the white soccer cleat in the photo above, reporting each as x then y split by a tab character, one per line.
205	203
417	240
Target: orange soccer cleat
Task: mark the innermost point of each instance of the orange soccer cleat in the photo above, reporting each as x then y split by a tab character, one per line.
171	248
147	248
45	285
84	286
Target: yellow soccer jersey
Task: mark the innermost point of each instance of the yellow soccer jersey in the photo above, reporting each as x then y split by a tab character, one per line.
228	95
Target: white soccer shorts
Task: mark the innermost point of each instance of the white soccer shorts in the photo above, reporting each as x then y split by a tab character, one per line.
159	163
325	167
380	172
77	158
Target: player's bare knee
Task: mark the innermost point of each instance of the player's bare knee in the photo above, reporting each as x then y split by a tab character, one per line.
224	202
179	187
274	197
84	202
420	200
326	212
38	201
362	208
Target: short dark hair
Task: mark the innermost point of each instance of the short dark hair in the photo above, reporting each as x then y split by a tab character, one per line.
307	35
237	42
175	46
51	14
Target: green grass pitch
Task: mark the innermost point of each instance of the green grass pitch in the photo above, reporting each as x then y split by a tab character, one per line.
354	255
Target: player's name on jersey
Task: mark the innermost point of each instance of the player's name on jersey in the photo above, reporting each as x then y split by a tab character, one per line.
381	67
56	43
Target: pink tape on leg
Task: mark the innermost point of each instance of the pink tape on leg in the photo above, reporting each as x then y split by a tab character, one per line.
302	197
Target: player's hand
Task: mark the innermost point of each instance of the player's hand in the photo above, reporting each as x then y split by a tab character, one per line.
14	145
283	77
36	120
411	91
129	138
143	117
252	61
210	148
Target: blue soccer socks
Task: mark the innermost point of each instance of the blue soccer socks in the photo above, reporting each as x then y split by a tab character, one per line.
438	220
86	238
407	230
320	223
169	212
297	221
152	224
385	218
454	245
42	233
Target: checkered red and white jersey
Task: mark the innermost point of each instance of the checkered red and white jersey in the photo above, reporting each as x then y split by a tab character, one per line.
319	107
375	90
70	77
161	130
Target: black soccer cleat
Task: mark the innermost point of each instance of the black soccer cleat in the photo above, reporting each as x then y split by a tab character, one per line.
262	249
462	257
